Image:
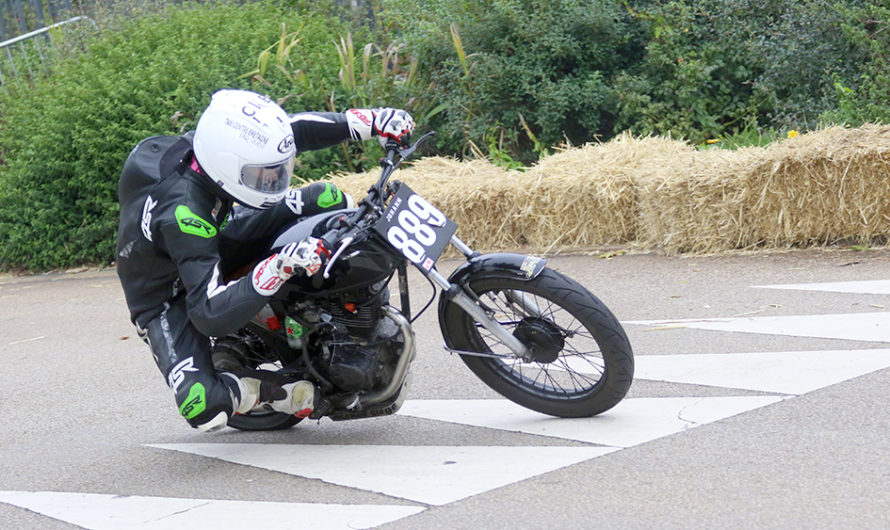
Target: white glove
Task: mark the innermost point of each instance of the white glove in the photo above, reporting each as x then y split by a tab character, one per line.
393	124
308	255
385	123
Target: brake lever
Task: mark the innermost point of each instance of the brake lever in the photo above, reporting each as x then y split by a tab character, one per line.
405	152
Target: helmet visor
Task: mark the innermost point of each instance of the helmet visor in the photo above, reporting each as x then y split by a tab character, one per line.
273	178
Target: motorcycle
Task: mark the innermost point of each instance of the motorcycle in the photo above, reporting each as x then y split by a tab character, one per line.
535	336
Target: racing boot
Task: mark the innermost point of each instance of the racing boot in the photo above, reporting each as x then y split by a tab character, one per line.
264	390
298	401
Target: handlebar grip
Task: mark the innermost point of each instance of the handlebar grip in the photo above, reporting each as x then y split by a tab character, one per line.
330	238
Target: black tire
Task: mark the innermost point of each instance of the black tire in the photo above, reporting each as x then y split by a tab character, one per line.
583	361
263	421
244	350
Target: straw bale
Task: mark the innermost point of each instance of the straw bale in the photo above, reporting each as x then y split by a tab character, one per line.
812	189
659	193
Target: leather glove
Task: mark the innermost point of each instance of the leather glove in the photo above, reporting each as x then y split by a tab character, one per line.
308	256
392	124
384	123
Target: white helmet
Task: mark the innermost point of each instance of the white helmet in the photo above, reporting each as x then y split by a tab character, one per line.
244	142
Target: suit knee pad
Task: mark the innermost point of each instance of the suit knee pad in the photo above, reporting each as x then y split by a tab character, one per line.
203	399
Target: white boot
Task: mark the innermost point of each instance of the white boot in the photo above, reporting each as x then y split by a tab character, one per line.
218	422
249	389
300	399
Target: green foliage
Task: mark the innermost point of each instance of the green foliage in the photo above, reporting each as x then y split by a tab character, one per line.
491	62
864	94
717	67
324	65
502	79
64	139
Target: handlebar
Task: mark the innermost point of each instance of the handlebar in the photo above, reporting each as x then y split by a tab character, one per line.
395	154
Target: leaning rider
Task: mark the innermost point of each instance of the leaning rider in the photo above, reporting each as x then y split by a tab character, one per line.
181	234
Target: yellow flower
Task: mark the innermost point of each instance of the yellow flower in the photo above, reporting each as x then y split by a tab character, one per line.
792	133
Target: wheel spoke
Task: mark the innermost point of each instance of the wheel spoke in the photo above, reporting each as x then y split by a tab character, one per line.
564	376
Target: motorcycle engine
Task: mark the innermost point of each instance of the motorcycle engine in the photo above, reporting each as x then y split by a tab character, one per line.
360	347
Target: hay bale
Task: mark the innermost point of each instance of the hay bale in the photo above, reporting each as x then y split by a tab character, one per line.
811	189
659	193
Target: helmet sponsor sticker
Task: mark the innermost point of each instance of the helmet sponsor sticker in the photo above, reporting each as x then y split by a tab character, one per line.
248	134
286	145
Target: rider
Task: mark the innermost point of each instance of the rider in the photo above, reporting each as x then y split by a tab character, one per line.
180	236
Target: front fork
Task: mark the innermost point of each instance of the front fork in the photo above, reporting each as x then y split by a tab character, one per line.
456	294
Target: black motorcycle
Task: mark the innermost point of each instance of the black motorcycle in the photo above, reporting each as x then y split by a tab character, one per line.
538	338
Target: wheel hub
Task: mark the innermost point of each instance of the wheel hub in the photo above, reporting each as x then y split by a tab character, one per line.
543	339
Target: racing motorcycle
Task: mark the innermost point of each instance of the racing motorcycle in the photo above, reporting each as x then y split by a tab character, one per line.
535	336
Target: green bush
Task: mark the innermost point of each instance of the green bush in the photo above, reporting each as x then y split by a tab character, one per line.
506	79
718	67
863	95
518	75
315	68
63	139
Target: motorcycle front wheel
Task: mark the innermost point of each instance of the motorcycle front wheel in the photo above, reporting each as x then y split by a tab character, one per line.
580	362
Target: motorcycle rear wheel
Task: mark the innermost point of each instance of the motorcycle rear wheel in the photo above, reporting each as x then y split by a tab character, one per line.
582	360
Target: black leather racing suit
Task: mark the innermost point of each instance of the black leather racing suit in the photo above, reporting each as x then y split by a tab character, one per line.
177	238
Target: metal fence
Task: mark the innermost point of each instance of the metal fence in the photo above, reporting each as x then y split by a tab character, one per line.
25	26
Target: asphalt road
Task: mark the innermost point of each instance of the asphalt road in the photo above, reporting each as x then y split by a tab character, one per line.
84	411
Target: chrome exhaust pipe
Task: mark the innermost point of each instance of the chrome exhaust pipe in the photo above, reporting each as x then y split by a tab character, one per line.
401	371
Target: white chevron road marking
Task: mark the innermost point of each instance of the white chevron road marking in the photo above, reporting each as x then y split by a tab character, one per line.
113	512
428	474
871	327
631	422
859	287
792	372
437	475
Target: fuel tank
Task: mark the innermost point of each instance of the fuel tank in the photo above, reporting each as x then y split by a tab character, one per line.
365	262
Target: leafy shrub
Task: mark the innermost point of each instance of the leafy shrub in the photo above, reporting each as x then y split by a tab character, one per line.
64	139
715	67
863	95
494	65
315	70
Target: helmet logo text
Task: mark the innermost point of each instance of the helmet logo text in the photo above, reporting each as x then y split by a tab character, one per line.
286	144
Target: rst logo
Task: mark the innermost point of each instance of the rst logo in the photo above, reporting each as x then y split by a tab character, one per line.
146	217
177	374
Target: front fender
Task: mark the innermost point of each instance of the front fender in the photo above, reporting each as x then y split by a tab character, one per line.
517	266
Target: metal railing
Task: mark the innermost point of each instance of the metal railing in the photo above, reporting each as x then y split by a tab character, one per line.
22	23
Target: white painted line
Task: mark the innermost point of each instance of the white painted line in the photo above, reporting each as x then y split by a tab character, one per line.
27	340
112	512
631	422
795	372
860	287
428	474
871	327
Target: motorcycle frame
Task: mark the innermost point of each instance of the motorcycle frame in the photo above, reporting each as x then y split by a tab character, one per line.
453	289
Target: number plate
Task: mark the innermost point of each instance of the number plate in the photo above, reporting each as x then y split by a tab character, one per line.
415	228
